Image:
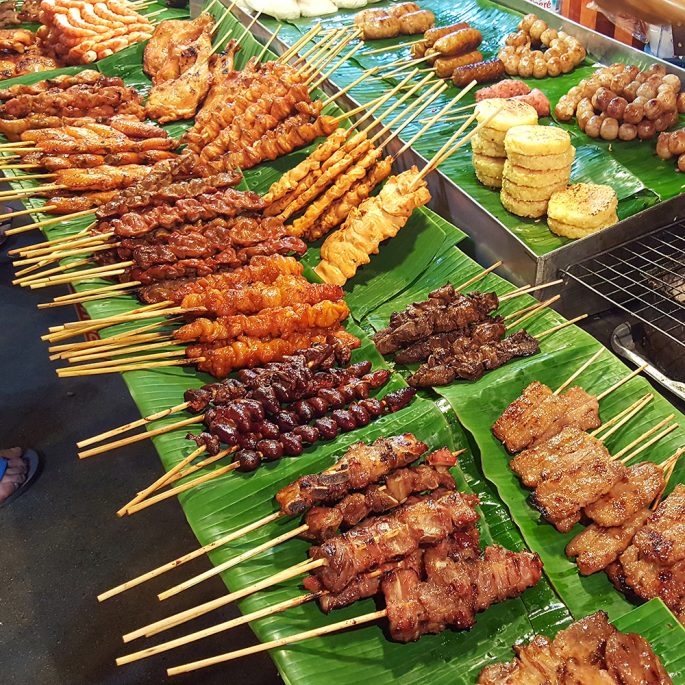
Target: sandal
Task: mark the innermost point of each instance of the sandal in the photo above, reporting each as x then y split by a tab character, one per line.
32	465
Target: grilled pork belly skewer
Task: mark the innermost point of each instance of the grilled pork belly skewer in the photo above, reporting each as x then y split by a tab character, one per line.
539	414
588	651
360	467
341	559
450	597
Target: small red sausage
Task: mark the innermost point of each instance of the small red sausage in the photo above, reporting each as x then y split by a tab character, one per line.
481	72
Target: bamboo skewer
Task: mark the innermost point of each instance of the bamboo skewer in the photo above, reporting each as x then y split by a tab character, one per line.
47	249
106	365
649	443
119	350
535	310
136	313
249	554
90	295
388	48
527	289
150	501
116	348
86	274
349	87
337	66
50	221
625	379
71	373
29	210
219	628
280	642
140	436
668	469
561	326
162	480
577	373
642	437
310	35
225	539
78	251
111	340
479	276
267	45
627	416
24	280
46	243
195	612
644	399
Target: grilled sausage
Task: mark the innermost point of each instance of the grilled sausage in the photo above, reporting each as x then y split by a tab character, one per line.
445	66
383	27
459	42
417	22
435	34
401	9
482	72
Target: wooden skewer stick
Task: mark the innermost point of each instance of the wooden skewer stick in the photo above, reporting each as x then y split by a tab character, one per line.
30	210
72	373
196	467
182	488
49	248
644	436
249	554
577	373
85	249
95	293
140	436
48	243
327	53
52	220
628	415
162	480
280	642
189	614
7	195
303	40
25	177
222	17
111	340
105	366
536	310
669	467
265	49
349	87
86	274
154	14
26	280
561	326
336	66
223	540
18	143
116	348
361	108
119	350
388	48
317	47
649	443
246	30
219	628
431	122
19	166
527	289
644	399
479	276
156	307
625	379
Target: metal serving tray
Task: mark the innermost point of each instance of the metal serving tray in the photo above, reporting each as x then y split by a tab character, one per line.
490	239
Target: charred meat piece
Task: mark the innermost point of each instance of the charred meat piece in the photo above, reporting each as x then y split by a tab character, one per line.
630	660
361	466
630	495
538	415
596	547
663	537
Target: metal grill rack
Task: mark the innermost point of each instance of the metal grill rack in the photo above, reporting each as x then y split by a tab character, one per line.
644	277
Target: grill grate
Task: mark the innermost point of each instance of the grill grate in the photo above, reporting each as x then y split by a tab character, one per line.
645	277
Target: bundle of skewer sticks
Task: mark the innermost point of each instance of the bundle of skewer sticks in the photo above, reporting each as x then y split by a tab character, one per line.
321	56
617	422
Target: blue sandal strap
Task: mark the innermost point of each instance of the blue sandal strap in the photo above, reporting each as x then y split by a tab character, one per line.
4	463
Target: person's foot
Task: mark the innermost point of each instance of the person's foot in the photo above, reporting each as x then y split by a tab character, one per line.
15	474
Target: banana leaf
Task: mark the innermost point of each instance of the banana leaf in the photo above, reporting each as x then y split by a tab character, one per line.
633	169
478	404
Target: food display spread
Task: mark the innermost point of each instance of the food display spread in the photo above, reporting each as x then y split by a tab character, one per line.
386	450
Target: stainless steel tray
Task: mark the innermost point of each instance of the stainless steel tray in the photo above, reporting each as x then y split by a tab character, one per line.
491	240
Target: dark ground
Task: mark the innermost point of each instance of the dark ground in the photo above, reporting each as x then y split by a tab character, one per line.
60	542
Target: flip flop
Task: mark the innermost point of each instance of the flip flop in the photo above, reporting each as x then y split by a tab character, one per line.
33	462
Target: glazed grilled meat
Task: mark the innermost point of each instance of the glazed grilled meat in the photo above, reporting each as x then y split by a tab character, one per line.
538	415
632	494
360	466
447	365
579	480
589	652
453	596
597	547
445	310
391	537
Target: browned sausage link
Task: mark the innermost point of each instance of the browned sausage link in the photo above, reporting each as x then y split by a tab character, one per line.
416	22
385	27
459	42
402	9
482	72
435	34
445	66
418	49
